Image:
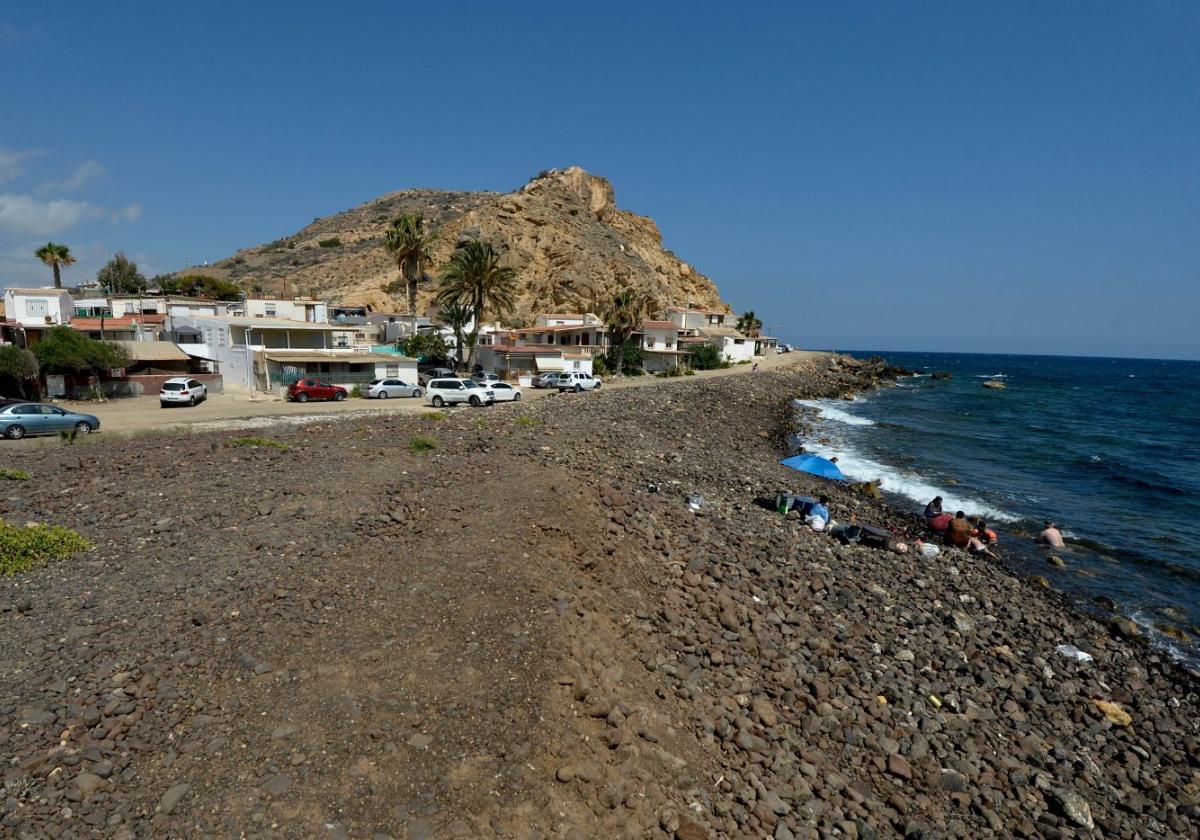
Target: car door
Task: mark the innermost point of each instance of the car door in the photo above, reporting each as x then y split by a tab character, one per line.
30	417
57	420
503	391
197	388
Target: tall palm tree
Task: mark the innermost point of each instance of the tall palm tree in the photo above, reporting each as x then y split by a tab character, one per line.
623	314
55	255
410	245
475	278
456	317
749	325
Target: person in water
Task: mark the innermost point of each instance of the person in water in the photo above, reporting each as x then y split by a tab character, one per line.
934	508
985	534
976	546
1051	536
959	532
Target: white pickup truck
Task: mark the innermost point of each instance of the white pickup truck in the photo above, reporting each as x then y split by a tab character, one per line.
578	382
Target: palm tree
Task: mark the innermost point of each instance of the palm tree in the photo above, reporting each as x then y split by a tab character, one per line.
623	314
749	325
55	256
456	317
475	278
410	245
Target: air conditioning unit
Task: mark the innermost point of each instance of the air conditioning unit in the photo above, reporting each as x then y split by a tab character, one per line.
49	319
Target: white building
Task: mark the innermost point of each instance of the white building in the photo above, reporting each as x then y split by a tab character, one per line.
122	305
659	341
734	346
308	310
38	307
695	319
568	319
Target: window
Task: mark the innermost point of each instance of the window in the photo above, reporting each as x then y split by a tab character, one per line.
130	308
37	307
393	371
270	309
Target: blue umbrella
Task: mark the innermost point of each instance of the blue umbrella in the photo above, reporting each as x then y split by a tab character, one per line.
814	464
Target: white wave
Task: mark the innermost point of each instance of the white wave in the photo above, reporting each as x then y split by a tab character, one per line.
860	468
828	412
991	376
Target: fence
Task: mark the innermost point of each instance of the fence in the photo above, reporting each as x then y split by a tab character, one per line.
287	378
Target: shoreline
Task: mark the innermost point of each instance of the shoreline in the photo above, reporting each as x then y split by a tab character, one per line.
527	627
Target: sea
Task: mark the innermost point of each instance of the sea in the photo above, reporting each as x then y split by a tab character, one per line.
1107	448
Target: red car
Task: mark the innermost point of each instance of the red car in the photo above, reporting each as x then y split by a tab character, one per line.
303	390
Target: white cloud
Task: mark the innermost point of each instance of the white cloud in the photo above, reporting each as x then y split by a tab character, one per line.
131	213
28	215
11	162
83	175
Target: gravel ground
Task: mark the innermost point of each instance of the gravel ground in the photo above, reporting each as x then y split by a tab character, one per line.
511	635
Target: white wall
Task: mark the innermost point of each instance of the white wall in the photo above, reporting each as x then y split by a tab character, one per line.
733	351
316	312
33	309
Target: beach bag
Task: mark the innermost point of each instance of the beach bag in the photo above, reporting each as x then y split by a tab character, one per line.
847	534
816	523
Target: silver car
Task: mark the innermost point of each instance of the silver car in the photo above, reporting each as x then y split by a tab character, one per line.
24	419
382	389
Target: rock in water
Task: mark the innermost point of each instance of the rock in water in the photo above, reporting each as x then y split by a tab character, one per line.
995	384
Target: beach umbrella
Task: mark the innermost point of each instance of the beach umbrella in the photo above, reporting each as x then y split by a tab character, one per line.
814	464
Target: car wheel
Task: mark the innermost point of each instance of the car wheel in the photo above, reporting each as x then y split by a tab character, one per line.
598	384
578	389
83	427
14	432
383	395
164	405
516	396
416	392
474	402
339	396
438	402
302	397
192	402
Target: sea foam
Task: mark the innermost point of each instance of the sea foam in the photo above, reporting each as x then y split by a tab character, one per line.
828	412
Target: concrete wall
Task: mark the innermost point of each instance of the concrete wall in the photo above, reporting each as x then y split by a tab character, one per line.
139	385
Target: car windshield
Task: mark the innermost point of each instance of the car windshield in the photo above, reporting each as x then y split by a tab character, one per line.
471	384
172	386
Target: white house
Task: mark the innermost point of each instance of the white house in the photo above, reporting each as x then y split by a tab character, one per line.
309	310
695	319
240	345
121	305
734	346
659	341
568	319
38	307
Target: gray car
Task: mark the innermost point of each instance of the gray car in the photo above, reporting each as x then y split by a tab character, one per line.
23	419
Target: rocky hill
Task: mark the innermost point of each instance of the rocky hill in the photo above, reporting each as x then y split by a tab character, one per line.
563	230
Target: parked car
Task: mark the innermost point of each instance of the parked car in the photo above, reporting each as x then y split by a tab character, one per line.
577	382
451	391
303	390
424	377
547	380
381	389
22	419
485	379
180	390
504	392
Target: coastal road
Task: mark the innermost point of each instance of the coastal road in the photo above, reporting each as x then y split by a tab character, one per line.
241	409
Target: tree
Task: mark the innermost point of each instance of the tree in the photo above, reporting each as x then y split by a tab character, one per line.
633	360
63	349
622	314
456	317
120	276
749	325
56	256
475	278
706	357
17	364
410	245
426	346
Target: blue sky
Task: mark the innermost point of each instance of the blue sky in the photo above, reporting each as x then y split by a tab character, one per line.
1011	177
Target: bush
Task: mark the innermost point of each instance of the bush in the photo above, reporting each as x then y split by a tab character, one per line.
600	366
256	441
13	475
633	360
420	444
331	242
426	345
22	549
356	391
689	372
434	415
670	373
526	420
706	357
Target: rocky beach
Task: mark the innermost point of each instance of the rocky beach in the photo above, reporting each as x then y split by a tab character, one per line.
519	628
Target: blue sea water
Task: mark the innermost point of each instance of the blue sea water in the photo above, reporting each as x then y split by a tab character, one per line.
1108	448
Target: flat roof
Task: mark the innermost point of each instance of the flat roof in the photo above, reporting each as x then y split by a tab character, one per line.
335	356
267	323
153	351
42	291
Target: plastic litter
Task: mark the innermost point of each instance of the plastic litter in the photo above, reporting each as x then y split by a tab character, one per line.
652	487
694	500
1072	652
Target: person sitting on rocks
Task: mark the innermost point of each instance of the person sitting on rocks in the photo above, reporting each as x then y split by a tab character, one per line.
821	508
959	531
1051	536
933	509
975	546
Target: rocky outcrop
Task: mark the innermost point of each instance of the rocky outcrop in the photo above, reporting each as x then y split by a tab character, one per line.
563	230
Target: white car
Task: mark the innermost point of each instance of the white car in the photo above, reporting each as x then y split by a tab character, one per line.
486	379
504	392
382	389
578	382
451	391
180	390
